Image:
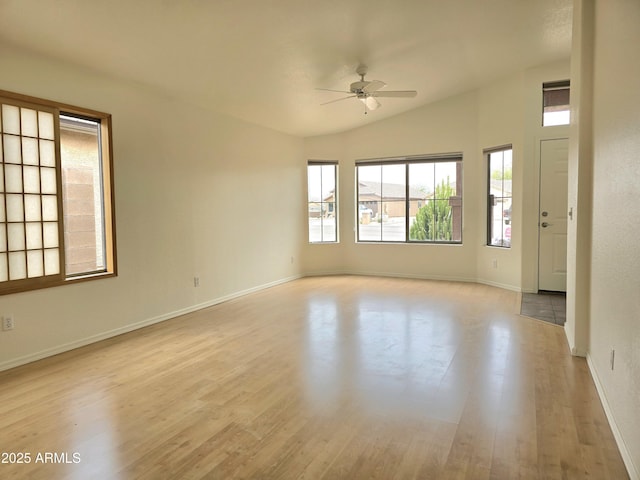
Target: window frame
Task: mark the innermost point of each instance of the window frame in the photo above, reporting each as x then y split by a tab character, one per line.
490	198
454	157
107	199
323	163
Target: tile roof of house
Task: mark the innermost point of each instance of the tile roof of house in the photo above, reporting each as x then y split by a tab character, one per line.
390	190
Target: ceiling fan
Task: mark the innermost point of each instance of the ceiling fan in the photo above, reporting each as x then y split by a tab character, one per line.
367	91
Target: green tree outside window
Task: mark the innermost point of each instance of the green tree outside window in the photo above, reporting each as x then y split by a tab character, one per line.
434	220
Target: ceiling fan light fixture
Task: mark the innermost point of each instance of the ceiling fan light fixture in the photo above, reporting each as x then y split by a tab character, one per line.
370	102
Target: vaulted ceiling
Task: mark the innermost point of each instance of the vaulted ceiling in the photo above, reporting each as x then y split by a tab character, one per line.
262	60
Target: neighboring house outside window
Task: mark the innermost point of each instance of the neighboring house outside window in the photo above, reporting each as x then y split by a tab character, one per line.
499	195
413	199
56	206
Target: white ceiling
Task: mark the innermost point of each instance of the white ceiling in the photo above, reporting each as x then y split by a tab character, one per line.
261	60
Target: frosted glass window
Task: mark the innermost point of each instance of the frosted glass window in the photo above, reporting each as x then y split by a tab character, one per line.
50	231
17	266
13	178
21	205
29	122
45	122
49	208
29	151
11	149
4	268
15	208
47	153
11	119
35	267
15	232
31	179
48	180
51	262
34	235
32	208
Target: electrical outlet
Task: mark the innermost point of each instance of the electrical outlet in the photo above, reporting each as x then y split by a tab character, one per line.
196	281
494	263
7	322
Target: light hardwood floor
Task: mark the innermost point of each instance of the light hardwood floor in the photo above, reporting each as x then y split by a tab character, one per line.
322	378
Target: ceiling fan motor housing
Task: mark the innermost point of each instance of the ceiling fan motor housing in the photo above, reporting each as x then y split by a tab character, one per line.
356	87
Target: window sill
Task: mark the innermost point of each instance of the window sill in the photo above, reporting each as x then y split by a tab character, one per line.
373	242
88	276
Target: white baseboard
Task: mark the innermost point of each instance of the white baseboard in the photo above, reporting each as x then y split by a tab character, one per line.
634	473
444	278
326	273
504	286
576	352
49	352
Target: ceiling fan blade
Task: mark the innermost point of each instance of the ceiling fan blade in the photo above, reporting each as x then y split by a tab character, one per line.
329	90
338	99
396	93
373	85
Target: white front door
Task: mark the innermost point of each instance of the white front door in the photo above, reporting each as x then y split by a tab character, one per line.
552	216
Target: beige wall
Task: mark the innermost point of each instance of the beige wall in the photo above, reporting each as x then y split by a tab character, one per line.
615	259
501	121
197	193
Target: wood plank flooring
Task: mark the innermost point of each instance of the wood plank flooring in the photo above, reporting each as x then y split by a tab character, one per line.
339	377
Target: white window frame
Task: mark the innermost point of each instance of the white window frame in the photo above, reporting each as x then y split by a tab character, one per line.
553	114
493	200
455	201
327	210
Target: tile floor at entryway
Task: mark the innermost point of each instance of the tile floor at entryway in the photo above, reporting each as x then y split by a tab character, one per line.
548	306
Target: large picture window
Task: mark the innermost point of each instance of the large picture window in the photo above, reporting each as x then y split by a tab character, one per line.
414	199
322	201
56	212
499	196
